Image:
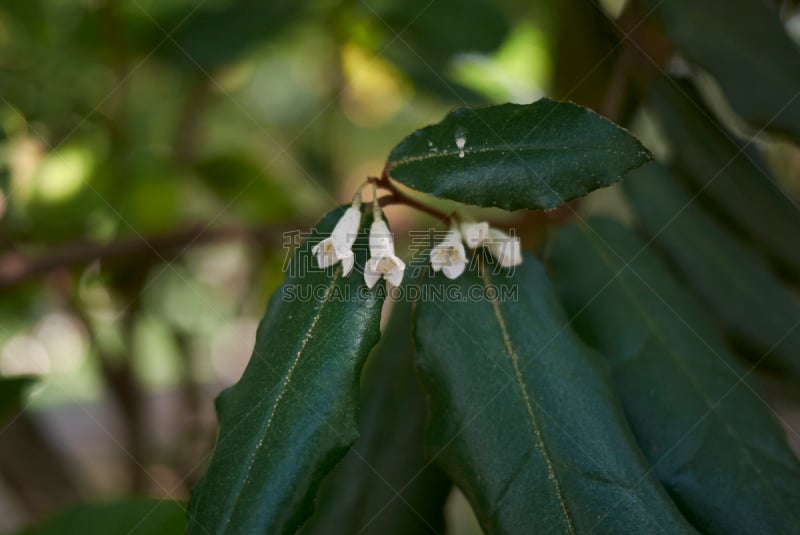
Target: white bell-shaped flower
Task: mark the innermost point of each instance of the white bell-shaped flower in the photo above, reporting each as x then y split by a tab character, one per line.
449	255
382	262
506	249
475	234
339	245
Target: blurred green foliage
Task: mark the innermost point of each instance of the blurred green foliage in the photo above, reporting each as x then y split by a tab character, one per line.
132	119
152	154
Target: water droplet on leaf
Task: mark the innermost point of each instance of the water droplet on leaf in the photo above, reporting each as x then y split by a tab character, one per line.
461	141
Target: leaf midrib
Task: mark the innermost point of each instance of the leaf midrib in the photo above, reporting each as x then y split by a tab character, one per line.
284	387
482	150
680	366
539	441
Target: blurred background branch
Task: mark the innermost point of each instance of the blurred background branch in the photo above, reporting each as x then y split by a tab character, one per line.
16	268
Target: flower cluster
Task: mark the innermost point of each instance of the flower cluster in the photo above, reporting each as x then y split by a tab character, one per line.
448	256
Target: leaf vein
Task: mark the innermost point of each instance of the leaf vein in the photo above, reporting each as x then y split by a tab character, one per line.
284	387
483	150
539	441
681	367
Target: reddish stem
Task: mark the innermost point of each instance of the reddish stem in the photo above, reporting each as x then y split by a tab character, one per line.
398	197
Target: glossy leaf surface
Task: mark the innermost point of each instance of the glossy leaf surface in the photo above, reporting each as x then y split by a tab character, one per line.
292	415
359	494
534	156
730	174
703	424
523	415
730	277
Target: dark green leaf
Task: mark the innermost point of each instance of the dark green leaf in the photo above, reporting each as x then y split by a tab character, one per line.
731	278
523	416
709	435
214	35
535	156
292	415
359	495
11	390
129	517
735	180
422	37
439	30
740	42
